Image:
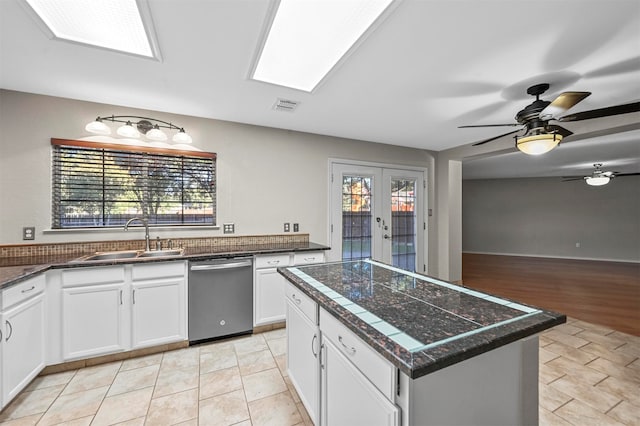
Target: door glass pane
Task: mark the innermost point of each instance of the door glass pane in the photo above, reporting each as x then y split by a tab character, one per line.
403	223
356	217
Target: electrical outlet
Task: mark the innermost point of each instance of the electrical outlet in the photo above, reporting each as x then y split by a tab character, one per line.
286	227
228	228
577	245
296	227
29	233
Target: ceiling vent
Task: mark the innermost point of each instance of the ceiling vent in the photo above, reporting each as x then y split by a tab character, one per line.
285	105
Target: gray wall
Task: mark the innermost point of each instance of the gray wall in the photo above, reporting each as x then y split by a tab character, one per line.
547	217
266	176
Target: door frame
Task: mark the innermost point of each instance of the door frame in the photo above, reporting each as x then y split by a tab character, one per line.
423	257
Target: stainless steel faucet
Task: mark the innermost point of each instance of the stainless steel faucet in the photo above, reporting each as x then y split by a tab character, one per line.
145	222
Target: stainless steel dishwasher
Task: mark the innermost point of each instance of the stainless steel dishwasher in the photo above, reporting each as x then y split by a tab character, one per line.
220	298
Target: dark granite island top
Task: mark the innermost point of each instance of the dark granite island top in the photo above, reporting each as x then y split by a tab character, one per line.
420	324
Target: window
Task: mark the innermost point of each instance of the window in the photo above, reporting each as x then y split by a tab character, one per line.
104	185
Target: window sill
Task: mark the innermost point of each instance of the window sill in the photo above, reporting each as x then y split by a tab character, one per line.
120	229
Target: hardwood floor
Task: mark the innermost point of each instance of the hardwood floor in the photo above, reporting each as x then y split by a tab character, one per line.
606	293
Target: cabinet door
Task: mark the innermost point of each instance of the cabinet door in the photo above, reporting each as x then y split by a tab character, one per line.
348	398
302	358
158	312
22	346
269	296
92	320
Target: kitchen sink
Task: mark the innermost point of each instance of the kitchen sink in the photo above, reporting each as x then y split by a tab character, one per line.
158	253
130	254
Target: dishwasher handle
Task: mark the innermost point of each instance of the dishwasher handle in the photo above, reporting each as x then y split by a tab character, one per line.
212	267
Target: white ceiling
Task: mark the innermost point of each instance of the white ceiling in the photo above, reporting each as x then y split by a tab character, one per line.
430	67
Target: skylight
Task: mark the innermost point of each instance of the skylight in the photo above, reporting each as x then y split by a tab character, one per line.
111	24
308	38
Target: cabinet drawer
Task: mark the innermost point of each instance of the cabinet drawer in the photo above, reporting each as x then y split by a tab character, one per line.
309	257
272	261
158	270
23	291
88	276
307	306
377	369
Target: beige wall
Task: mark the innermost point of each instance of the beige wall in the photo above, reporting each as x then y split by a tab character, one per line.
265	176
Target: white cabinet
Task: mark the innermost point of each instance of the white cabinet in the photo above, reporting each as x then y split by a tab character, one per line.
117	308
303	343
268	284
348	397
158	304
93	320
23	340
358	384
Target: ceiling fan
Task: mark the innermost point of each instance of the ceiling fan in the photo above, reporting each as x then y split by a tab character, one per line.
598	177
540	136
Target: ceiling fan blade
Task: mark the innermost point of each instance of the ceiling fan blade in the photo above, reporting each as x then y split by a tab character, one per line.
602	112
559	130
626	174
490	125
562	103
494	138
573	178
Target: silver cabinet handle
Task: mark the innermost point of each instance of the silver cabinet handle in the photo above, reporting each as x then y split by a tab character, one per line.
29	289
273	262
309	259
133	296
313	346
321	358
350	350
298	301
121	297
10	330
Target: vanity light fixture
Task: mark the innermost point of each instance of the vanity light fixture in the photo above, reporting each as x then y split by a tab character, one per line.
306	39
134	126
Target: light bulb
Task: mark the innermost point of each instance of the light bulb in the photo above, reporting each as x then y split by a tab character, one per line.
182	137
156	134
98	127
128	131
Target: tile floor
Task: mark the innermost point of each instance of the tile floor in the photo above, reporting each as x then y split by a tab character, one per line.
589	375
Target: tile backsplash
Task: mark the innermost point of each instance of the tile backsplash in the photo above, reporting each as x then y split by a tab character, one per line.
87	247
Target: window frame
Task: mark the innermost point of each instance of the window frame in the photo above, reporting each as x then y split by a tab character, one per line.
156	153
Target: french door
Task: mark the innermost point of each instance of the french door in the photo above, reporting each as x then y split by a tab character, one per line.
378	213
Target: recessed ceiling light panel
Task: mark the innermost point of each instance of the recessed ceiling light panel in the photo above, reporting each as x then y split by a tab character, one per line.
112	24
308	38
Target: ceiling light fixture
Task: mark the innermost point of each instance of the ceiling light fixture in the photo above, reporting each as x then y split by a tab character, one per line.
150	127
537	143
597	180
121	25
306	39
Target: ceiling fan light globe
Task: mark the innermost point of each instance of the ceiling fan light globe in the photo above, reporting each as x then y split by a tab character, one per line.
538	144
597	181
98	127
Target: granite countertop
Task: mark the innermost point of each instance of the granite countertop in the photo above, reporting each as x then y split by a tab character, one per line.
16	269
420	324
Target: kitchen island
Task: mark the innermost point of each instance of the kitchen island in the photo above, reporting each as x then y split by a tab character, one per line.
387	346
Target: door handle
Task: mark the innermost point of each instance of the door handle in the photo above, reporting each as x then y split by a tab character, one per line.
387	236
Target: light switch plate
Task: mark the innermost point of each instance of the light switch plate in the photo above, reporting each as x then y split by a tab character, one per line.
296	227
286	227
228	228
29	233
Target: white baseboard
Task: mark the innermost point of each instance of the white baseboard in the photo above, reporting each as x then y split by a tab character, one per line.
553	257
